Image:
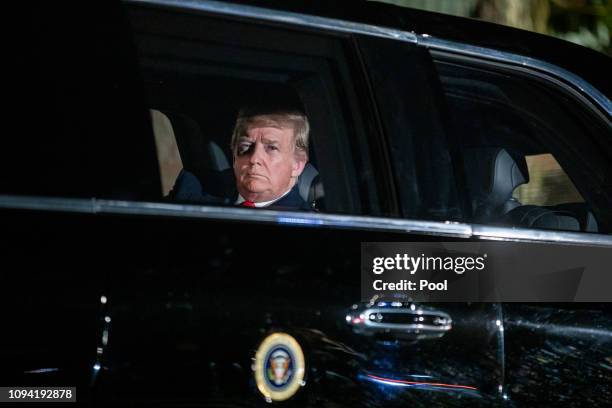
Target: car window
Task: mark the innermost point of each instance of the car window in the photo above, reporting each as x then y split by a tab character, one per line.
200	71
77	119
535	155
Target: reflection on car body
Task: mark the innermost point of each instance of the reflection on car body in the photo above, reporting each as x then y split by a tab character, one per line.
398	320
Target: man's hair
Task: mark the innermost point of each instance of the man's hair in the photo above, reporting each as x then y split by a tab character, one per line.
293	118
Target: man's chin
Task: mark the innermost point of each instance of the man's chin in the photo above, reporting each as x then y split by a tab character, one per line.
255	192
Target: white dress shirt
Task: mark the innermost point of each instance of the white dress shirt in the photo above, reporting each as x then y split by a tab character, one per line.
241	200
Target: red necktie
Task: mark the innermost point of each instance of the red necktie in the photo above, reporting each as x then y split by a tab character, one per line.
247	203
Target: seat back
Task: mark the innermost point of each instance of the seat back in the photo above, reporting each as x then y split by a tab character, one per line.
197	151
311	188
180	138
492	174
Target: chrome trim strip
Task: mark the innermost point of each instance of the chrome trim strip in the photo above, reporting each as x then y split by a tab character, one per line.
97	206
494	233
448	229
285	17
519	60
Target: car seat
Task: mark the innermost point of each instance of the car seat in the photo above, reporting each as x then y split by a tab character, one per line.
310	187
492	175
200	156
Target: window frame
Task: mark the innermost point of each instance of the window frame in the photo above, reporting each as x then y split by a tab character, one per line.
349	114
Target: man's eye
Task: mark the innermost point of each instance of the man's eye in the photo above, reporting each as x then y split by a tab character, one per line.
244	148
272	147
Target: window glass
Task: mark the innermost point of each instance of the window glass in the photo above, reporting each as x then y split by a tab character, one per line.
548	184
76	112
200	72
534	154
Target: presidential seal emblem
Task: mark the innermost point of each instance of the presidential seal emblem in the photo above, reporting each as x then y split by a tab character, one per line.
279	367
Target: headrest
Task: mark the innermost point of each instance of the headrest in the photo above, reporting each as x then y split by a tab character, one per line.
494	172
309	185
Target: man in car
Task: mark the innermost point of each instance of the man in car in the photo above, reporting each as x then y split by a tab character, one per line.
270	150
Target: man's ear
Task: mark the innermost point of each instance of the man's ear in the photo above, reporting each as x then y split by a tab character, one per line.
301	158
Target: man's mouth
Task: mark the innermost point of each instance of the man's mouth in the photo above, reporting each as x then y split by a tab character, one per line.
255	175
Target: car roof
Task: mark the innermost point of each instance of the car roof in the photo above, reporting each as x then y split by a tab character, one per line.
589	64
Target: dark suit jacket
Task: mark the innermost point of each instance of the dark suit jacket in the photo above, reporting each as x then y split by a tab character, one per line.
188	188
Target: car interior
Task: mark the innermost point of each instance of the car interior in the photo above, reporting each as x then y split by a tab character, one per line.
494	147
197	133
207	155
198	82
494	174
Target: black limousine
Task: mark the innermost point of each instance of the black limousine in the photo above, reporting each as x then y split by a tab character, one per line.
424	128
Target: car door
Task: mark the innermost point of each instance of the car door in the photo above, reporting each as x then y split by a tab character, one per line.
427	174
560	128
187	327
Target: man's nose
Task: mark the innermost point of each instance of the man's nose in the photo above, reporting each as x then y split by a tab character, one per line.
257	154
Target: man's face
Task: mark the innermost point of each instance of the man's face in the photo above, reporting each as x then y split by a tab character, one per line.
265	162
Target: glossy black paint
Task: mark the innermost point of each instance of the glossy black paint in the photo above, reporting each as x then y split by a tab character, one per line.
560	354
189	301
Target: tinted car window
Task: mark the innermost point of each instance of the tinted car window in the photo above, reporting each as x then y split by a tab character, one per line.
76	114
502	117
200	71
